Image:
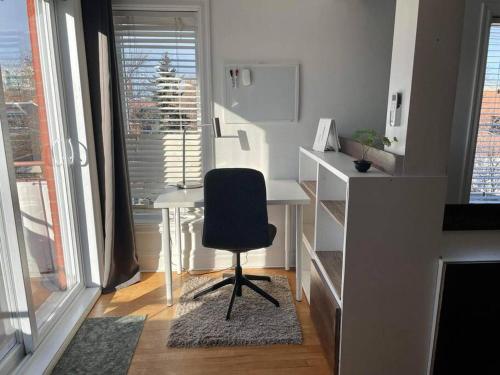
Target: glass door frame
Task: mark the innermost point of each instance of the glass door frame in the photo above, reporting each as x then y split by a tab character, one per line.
16	302
32	335
35	352
63	154
13	237
73	68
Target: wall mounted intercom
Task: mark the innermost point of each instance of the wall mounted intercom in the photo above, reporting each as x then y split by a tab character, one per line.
395	109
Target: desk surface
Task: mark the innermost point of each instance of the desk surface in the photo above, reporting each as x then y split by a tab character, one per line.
279	192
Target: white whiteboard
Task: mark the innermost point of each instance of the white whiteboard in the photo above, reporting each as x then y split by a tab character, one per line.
272	96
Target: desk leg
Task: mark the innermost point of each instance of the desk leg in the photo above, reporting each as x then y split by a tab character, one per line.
167	253
298	252
178	245
287	237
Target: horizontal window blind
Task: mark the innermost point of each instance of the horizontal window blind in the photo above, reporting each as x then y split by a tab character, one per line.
485	185
157	55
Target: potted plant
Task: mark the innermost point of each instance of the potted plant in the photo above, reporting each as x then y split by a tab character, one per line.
368	138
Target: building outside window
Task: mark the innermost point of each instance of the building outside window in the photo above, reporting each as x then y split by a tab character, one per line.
485	184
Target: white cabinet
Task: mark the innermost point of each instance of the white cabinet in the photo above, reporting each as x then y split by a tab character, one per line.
373	239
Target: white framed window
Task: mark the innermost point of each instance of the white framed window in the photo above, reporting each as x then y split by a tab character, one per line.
160	58
50	286
36	166
485	174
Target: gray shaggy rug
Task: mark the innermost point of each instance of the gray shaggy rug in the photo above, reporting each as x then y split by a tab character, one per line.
254	320
102	346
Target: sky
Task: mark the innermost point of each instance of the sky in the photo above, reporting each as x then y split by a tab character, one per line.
13	15
13	22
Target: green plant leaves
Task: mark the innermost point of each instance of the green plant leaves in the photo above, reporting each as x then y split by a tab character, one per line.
370	138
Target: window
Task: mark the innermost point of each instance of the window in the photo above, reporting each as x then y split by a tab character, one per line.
159	79
485	184
36	143
41	274
8	321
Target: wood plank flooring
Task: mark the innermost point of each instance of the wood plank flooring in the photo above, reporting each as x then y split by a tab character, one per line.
153	357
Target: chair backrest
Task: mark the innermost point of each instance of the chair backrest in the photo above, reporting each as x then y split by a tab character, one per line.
235	210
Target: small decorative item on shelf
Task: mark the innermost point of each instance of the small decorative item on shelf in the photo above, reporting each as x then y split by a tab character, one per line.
369	138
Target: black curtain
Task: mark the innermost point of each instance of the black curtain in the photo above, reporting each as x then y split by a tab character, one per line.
120	265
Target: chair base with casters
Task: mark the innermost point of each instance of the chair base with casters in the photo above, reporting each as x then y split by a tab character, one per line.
239	280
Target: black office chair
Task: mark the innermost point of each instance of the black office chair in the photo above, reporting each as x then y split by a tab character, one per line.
236	220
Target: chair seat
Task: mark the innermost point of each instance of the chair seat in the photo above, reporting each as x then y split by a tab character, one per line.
272	230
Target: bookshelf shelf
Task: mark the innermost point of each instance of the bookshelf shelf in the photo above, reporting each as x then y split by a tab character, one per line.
332	264
308	237
336	209
310	187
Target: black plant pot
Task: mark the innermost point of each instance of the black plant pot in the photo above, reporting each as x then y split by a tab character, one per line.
362	165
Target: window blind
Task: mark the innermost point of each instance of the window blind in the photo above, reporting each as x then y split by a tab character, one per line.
157	58
485	185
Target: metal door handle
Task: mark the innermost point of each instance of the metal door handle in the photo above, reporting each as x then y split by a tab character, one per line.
56	152
71	154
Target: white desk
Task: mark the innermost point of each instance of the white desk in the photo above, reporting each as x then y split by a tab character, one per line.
279	192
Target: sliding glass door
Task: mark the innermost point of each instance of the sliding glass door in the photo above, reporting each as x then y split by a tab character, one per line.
7	327
37	154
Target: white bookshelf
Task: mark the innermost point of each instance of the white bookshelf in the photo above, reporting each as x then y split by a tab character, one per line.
369	237
325	178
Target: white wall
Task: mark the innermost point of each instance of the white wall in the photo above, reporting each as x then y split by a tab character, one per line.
344	51
429	79
403	52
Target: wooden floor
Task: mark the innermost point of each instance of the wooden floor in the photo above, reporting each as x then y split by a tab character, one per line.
153	357
39	293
